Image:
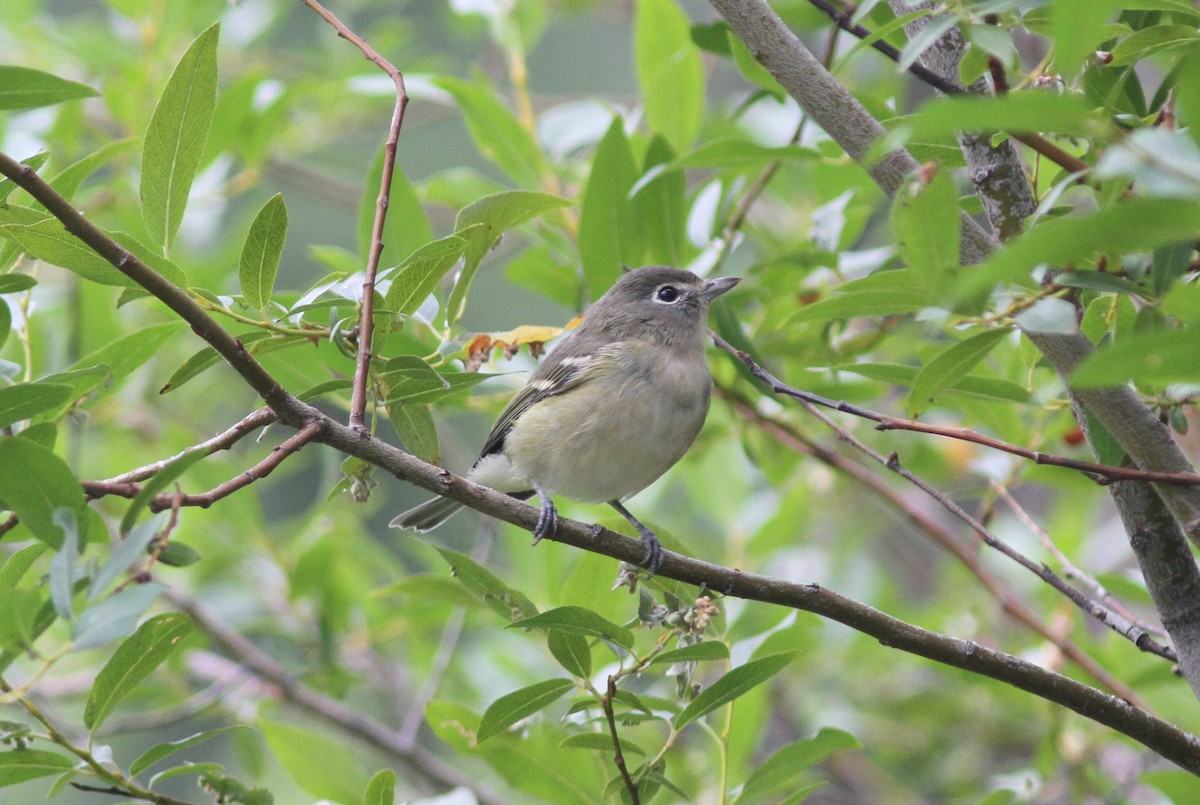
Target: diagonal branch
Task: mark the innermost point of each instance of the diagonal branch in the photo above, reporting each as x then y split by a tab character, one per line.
788	435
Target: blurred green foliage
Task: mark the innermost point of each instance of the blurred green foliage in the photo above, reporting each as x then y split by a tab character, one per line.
545	145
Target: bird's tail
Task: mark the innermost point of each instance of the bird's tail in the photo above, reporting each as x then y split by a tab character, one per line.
427	516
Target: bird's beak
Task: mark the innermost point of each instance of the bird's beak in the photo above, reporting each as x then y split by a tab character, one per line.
714	288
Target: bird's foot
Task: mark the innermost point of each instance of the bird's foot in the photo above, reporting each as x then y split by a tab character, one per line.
653	558
547	523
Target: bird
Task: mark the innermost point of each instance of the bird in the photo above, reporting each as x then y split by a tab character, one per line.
611	408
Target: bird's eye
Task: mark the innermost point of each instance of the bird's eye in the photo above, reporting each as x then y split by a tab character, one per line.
667	294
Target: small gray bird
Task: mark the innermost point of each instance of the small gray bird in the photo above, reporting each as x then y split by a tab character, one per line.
611	409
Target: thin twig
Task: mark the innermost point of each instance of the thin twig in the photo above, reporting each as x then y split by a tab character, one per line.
125	785
1106	472
308	433
1070	570
222	441
366	319
787	434
606	702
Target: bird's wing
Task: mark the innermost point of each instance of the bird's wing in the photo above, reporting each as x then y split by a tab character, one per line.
564	369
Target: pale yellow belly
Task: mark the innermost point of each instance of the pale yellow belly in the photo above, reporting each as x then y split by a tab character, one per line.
595	453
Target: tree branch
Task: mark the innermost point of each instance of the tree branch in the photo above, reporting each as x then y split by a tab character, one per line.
419	761
222	441
366	319
173	297
169	500
788	435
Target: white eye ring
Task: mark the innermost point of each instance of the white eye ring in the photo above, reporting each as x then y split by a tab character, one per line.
667	295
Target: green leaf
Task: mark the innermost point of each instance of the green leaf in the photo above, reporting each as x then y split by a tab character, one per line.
571	650
15	283
706	650
26	400
175	139
381	789
496	132
733	685
599	742
35	483
1179	786
1158	357
608	233
660	206
127	353
179	554
207	357
50	242
1015	111
260	255
1156	39
69	179
29	764
507	602
783	769
1140	224
951	366
928	34
750	68
200	769
132	662
512	707
497	213
25	88
580	621
410	390
323	767
848	305
164	750
925	217
903	375
670	74
62	567
115	617
34	163
1098	281
1077	27
130	549
420	273
415	427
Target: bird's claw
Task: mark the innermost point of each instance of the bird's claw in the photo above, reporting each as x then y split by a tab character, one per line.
653	558
547	523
